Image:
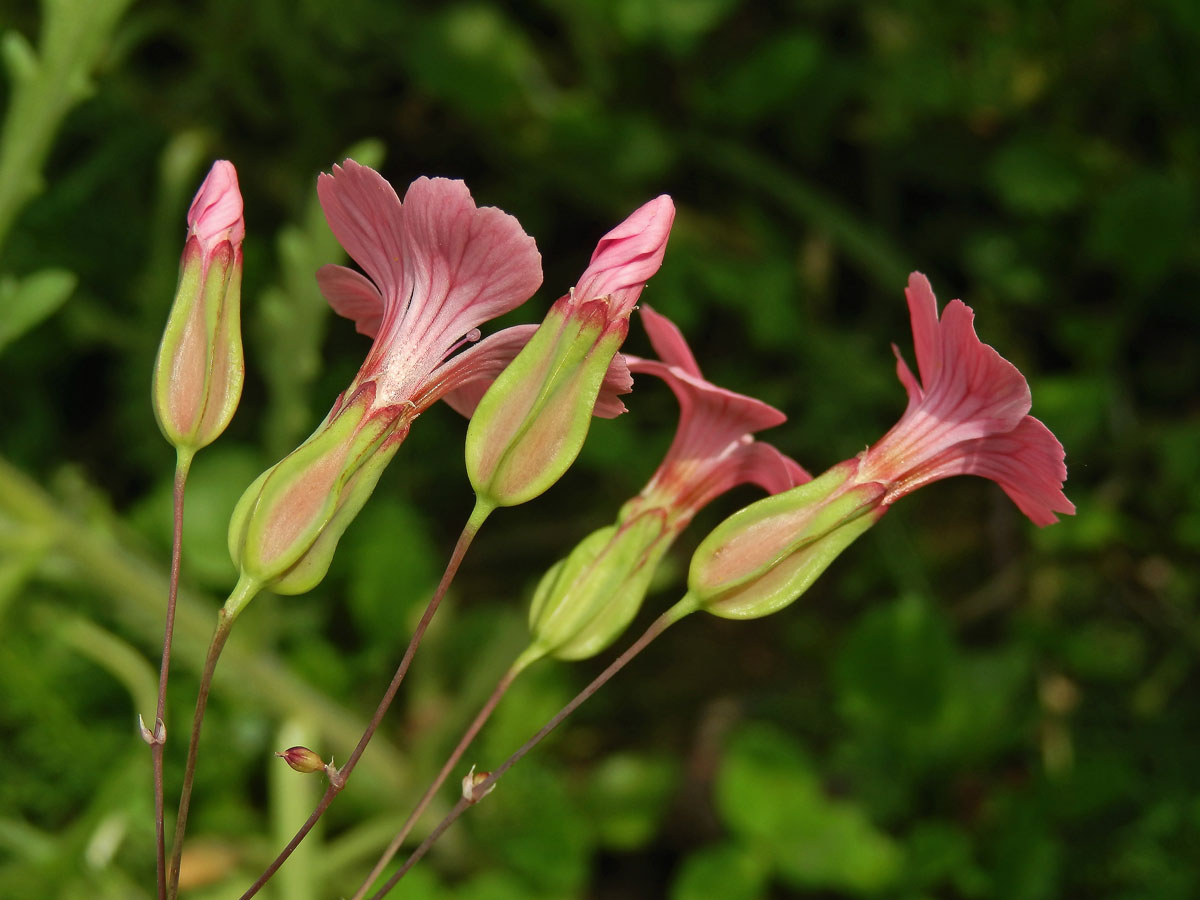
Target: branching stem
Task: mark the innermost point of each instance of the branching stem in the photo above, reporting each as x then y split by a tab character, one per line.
483	715
220	636
338	780
657	627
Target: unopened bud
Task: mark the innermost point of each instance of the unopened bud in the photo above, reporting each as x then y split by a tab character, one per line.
471	781
302	760
532	422
199	370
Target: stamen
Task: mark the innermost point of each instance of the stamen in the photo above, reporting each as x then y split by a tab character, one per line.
469	338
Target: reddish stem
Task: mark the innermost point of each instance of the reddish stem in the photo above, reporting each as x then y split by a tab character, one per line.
483	715
657	627
159	738
338	781
220	636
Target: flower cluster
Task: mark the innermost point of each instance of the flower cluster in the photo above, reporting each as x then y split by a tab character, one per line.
435	267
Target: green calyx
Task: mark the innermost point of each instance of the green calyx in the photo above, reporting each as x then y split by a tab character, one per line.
765	556
198	373
287	524
531	424
585	601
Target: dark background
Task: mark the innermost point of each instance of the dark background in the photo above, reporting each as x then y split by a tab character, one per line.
963	707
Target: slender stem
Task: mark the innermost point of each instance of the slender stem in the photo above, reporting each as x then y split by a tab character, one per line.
657	627
338	781
220	636
484	714
183	463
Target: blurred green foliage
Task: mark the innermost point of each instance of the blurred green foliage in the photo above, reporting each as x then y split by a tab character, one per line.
964	707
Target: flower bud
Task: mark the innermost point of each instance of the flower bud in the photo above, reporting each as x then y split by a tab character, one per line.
531	423
585	601
302	760
765	556
286	526
199	370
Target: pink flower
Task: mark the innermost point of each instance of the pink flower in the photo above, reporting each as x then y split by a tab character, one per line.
714	449
437	267
967	415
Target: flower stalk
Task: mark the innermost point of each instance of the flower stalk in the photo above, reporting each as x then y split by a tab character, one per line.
336	783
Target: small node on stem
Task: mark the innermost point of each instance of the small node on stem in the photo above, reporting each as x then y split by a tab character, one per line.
471	781
158	736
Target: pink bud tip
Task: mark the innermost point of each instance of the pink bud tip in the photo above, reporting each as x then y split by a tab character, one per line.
628	255
302	760
216	211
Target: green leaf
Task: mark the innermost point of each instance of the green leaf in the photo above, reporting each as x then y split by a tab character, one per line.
531	826
729	871
677	24
393	566
418	884
1141	227
477	60
765	83
25	303
492	886
768	793
19	57
1033	176
628	796
895	667
215	482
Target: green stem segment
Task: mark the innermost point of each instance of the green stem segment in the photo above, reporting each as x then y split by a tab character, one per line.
658	626
182	464
338	780
242	593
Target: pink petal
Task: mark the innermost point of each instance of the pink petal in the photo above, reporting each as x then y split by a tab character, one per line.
911	385
617	381
627	256
967	389
352	296
710	416
975	381
923	311
464	378
365	216
668	341
463	265
216	211
1027	462
760	463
